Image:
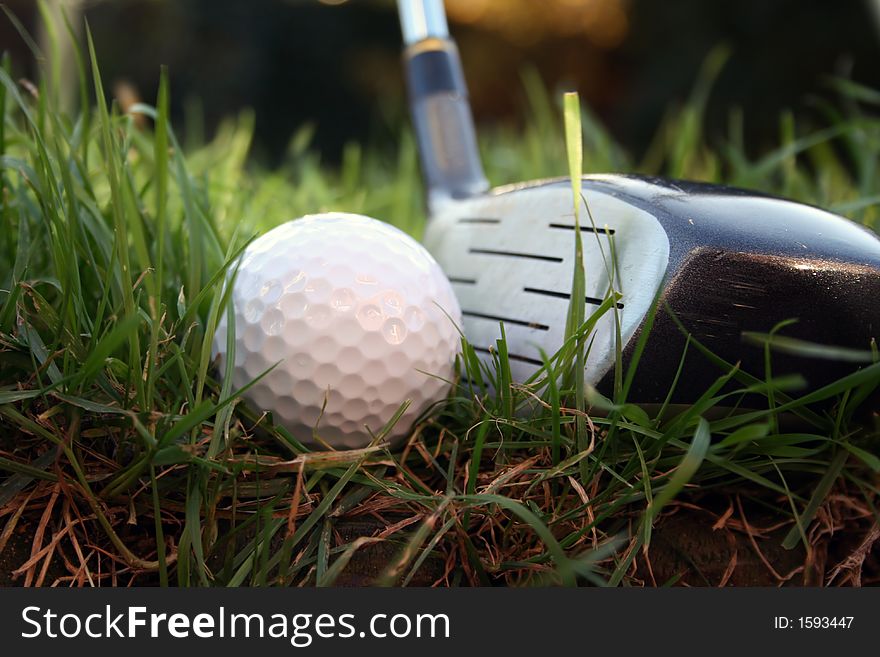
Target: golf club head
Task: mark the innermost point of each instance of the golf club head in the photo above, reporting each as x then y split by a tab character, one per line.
720	261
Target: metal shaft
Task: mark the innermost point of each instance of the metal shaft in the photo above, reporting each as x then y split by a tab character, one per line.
420	19
438	100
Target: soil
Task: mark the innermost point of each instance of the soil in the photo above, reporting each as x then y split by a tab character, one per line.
693	545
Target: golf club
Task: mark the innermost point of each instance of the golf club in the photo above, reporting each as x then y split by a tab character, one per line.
724	260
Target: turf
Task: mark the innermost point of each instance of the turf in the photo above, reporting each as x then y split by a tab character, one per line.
126	459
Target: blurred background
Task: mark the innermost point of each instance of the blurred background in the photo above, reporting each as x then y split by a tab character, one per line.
336	63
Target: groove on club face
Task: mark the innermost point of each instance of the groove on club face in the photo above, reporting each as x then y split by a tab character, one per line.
522	359
462	281
585	229
565	295
507	320
515	254
479	220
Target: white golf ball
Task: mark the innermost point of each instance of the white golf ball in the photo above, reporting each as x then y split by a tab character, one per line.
355	316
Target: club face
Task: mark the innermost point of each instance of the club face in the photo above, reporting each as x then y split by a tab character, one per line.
510	256
727	262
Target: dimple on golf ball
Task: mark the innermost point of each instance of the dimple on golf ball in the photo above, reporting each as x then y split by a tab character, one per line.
355	316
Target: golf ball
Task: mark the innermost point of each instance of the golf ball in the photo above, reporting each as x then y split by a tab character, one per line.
353	317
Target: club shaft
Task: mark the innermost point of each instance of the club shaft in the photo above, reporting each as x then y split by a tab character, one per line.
439	105
420	19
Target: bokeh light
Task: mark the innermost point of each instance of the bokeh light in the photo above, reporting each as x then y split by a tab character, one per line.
526	22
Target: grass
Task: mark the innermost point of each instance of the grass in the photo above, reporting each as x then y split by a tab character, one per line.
128	461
